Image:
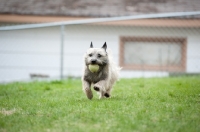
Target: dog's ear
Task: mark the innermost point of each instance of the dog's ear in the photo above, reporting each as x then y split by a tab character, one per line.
91	45
104	46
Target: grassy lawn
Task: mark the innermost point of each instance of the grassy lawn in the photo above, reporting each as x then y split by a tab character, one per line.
142	105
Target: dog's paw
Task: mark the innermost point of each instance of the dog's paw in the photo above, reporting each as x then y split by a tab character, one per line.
88	93
106	95
96	88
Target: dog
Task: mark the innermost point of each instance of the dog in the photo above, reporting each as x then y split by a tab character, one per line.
105	77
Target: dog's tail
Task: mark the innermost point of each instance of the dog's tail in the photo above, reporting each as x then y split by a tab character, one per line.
113	67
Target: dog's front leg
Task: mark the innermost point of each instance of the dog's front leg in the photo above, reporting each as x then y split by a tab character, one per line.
86	89
100	87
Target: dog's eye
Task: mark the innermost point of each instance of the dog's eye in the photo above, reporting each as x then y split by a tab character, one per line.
90	55
99	55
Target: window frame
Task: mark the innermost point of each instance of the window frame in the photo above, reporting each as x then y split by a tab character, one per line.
180	68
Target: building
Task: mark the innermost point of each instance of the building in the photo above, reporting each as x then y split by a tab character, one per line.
144	48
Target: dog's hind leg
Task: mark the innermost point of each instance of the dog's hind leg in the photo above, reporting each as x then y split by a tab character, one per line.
107	93
99	92
87	90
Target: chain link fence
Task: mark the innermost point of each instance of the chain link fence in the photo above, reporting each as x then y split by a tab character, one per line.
151	47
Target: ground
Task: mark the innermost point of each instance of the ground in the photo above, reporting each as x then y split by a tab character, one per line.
154	104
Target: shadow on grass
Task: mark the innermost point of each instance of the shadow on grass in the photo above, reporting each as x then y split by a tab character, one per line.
96	99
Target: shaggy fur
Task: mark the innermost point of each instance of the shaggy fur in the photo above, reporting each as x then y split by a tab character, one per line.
102	80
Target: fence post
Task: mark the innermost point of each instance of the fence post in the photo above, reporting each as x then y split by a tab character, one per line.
62	30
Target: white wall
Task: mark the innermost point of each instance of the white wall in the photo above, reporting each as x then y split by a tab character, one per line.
23	52
38	50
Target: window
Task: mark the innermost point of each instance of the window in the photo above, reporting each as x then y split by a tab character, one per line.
153	53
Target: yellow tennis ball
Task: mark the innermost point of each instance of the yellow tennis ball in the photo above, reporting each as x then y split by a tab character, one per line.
94	68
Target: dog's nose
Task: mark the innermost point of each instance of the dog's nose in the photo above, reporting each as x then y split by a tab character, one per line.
93	61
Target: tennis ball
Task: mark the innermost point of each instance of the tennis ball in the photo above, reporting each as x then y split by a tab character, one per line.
94	68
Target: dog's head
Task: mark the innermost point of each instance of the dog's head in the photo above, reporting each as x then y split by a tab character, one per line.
96	55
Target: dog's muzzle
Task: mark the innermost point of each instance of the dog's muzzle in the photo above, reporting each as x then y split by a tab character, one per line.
93	61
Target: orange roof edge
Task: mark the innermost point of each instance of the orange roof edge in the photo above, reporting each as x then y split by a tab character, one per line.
140	22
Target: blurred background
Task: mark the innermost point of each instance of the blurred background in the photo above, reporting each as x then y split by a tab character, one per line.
149	47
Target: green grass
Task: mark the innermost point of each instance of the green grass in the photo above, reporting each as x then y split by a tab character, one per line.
140	105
